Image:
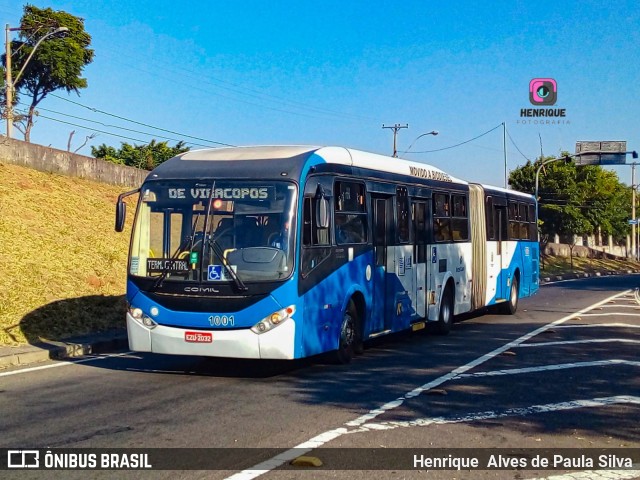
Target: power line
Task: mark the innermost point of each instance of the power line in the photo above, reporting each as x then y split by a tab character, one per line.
257	94
96	110
519	151
92	129
116	126
461	143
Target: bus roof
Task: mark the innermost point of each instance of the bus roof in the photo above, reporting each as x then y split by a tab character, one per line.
289	159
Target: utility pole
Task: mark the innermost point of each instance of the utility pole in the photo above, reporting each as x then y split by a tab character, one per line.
395	129
8	82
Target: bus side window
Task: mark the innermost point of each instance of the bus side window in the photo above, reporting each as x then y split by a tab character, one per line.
441	218
491	229
315	240
460	220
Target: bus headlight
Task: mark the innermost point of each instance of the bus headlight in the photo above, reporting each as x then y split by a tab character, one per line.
141	318
272	321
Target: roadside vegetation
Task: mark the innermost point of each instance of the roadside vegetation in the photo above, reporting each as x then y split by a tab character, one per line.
553	266
62	264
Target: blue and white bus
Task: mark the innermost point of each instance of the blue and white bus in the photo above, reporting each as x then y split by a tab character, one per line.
283	252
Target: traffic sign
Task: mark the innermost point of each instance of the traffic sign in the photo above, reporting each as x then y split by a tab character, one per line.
601	153
632	221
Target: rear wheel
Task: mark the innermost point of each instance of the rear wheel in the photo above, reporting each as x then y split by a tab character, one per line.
445	318
510	306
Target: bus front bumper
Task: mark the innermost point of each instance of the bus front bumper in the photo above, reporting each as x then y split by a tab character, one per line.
277	344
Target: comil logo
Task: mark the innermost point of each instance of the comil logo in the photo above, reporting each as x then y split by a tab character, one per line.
543	91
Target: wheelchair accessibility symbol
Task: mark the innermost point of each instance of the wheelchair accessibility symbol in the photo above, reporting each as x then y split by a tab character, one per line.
214	272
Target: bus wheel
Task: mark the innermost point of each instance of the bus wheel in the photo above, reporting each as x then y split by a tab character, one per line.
510	306
348	336
445	318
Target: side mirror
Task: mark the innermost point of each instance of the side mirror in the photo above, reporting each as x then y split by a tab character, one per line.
322	213
121	215
121	209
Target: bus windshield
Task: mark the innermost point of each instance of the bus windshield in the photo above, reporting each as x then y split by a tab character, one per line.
213	231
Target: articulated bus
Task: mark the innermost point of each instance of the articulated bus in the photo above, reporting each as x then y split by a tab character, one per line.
283	252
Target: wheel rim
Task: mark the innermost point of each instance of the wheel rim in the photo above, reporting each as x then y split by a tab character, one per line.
347	332
446	310
514	294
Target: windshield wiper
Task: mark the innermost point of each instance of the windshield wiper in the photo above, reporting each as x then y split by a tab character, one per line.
211	242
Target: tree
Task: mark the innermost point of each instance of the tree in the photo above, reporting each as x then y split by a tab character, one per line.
576	200
140	156
56	64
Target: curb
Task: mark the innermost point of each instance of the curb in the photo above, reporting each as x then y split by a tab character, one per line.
576	275
59	350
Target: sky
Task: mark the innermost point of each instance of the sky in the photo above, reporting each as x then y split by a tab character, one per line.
334	72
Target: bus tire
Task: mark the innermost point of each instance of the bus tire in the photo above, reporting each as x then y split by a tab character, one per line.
445	317
348	339
511	305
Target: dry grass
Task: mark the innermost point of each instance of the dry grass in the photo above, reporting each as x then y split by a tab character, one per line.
62	264
561	265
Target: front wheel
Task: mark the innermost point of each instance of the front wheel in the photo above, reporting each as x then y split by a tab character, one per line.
348	342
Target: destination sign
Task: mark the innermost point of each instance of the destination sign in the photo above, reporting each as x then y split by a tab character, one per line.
231	193
167	265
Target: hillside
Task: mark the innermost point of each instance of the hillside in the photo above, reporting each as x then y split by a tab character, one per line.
62	263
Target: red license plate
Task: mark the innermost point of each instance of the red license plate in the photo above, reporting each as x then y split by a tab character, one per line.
198	337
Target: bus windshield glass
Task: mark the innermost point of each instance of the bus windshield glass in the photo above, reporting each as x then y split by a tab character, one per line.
187	232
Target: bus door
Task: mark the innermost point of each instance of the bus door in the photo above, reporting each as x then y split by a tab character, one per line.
421	215
382	209
502	259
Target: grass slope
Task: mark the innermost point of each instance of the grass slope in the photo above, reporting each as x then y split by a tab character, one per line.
62	264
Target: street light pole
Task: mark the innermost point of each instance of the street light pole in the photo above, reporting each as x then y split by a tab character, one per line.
633	211
432	132
566	158
9	82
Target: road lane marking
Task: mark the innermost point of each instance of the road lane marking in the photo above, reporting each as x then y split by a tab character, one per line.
575	342
359	422
62	364
600	325
546	368
511	412
596	475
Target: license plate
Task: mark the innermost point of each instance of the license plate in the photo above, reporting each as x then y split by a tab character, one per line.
198	337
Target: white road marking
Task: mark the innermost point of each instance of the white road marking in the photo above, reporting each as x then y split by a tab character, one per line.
62	363
359	422
574	342
512	412
612	314
595	475
547	368
600	325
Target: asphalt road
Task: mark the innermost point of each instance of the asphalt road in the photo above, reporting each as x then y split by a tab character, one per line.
561	373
